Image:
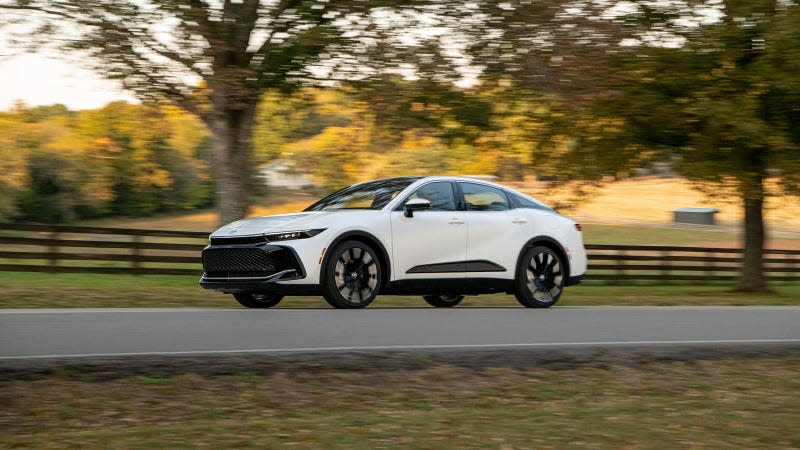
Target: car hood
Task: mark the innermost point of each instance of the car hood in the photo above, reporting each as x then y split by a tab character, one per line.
271	224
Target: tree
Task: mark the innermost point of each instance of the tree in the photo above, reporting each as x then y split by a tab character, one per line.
722	106
213	59
58	165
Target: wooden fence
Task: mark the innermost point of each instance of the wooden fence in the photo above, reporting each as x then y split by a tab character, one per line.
49	248
657	263
69	249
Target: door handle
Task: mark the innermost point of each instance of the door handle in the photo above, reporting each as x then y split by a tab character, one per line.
456	222
519	221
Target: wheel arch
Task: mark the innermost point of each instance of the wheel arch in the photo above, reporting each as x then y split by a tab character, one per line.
366	238
549	242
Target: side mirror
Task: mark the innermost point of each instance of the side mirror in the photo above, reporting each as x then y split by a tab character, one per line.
416	204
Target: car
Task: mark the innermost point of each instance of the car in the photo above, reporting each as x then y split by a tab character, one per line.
438	237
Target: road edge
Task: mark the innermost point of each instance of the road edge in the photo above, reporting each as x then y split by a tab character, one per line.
554	357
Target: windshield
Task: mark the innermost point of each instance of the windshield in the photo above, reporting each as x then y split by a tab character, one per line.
370	195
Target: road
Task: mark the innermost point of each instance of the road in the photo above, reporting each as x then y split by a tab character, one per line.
78	333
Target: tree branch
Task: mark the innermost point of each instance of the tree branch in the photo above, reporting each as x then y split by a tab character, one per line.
50	12
277	13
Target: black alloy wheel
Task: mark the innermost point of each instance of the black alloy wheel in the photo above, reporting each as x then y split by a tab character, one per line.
352	276
258	299
443	301
540	278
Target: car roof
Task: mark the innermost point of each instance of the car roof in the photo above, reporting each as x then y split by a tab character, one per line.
419	180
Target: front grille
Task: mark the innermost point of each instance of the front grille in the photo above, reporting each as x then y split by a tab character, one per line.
234	240
247	262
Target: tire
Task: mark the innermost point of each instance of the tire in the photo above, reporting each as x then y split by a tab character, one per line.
352	276
540	278
443	301
258	299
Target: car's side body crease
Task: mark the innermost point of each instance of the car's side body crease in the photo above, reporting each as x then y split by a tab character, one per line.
458	266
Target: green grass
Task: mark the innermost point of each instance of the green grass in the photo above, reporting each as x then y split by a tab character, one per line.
33	290
701	404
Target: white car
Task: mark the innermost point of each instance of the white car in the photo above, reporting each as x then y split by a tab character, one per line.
439	237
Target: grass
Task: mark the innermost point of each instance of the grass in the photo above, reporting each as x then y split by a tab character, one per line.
32	290
702	404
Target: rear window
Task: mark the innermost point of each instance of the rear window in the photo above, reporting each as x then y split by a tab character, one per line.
522	202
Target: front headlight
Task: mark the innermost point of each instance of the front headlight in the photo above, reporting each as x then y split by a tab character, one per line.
292	235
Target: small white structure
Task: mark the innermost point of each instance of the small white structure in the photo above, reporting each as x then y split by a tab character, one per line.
284	174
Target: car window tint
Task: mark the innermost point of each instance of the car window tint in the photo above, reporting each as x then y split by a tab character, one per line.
480	197
440	194
372	195
522	202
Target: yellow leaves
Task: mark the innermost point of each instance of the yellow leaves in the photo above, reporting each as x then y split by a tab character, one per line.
483	163
153	175
600	128
122	158
13	170
333	156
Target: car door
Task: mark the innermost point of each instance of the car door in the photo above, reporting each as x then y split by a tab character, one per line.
495	231
432	243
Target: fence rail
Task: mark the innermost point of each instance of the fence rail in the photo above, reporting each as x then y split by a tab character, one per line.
72	249
675	263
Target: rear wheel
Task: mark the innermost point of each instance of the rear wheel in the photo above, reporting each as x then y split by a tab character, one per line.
352	276
258	300
540	278
443	301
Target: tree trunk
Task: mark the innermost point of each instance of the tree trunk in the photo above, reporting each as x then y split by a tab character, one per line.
232	129
752	276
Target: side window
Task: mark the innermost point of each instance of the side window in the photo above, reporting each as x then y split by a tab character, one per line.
484	198
440	194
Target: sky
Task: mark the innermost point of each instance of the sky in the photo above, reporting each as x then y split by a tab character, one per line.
39	79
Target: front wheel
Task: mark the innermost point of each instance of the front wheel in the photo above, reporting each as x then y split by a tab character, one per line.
540	278
258	300
443	301
352	276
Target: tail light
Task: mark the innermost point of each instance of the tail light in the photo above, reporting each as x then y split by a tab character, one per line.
579	227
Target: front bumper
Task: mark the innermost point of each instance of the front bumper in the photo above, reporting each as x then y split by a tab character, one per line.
249	267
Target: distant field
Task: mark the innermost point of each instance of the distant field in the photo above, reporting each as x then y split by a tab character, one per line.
32	290
654	199
746	403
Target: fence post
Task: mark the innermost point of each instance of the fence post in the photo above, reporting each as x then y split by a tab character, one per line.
710	265
136	252
665	266
620	265
53	248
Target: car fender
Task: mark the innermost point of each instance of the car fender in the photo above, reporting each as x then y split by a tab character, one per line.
364	236
549	241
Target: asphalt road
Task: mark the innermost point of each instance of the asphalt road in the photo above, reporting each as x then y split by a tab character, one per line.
42	334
